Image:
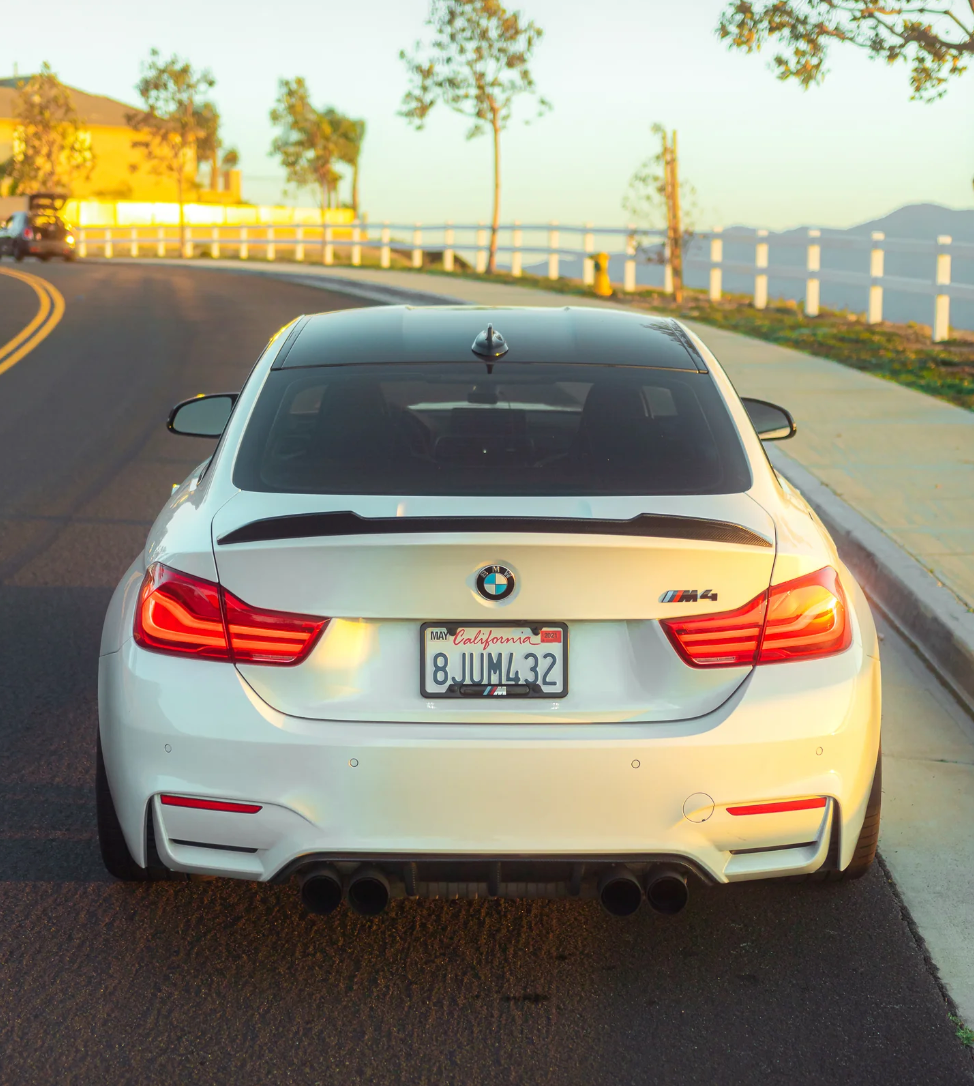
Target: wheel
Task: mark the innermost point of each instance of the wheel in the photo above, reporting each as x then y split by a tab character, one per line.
18	253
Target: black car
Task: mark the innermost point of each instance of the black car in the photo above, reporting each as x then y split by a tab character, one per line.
39	232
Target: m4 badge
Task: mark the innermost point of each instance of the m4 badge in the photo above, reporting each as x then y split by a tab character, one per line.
687	595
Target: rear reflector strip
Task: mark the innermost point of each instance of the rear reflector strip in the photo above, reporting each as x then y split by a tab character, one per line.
210	804
203	844
778	808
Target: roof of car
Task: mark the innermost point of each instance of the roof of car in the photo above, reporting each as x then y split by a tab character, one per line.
573	334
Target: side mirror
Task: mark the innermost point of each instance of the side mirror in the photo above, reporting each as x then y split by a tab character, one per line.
202	416
772	423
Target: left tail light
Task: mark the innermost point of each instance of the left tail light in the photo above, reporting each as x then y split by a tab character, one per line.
187	616
791	621
28	234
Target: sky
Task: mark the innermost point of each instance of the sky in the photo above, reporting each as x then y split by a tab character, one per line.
757	151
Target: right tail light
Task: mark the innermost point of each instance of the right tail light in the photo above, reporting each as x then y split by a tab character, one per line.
802	618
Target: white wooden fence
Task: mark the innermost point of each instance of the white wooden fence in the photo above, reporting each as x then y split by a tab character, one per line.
545	242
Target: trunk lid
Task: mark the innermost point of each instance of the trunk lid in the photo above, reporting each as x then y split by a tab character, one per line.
381	567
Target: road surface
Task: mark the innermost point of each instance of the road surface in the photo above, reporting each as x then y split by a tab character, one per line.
222	982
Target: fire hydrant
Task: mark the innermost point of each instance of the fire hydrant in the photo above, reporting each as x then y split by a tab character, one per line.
603	288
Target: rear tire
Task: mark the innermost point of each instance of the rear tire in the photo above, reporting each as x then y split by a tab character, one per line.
114	851
18	253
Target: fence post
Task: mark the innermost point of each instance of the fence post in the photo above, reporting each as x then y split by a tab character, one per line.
161	241
215	243
588	264
329	254
667	268
629	271
271	247
813	263
188	250
874	315
244	247
553	251
134	242
82	242
108	243
941	303
516	241
417	255
356	246
716	259
299	248
448	247
384	254
481	248
761	276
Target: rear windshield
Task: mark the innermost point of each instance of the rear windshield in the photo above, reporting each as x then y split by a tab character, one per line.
505	429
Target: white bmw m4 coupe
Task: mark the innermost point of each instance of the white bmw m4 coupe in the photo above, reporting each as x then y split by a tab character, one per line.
488	602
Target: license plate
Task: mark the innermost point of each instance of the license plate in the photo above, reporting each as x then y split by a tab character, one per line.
462	660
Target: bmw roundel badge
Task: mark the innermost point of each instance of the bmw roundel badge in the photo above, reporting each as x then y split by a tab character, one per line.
495	582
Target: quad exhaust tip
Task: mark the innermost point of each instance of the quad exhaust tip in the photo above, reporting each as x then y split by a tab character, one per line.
620	892
368	891
321	889
667	891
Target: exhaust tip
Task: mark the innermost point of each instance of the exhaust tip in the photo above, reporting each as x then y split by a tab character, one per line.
321	889
667	891
620	892
368	891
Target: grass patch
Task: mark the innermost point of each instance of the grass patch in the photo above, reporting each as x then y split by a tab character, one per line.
963	1034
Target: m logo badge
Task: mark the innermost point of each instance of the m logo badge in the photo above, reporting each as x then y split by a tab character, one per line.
687	595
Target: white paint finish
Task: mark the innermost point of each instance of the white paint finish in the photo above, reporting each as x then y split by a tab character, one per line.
928	811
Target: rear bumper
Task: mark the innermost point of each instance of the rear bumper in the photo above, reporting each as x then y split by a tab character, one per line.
405	793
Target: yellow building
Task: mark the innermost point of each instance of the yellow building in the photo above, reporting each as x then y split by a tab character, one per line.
120	171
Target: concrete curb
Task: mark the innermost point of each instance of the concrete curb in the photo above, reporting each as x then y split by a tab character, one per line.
936	622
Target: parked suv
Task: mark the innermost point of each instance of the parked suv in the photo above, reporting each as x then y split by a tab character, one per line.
41	233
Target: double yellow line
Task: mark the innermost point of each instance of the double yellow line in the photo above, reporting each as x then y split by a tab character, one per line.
49	313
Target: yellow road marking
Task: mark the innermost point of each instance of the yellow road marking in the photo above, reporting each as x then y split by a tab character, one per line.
49	313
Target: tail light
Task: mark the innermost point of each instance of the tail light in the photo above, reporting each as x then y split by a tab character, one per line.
804	617
28	234
185	615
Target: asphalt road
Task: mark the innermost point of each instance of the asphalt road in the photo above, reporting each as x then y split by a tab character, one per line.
223	982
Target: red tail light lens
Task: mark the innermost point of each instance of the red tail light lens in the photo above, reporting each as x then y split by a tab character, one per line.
28	234
728	639
804	617
185	615
269	637
181	614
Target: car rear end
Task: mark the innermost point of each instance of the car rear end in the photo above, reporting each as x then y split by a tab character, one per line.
535	625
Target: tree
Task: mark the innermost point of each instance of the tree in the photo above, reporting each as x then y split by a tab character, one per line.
352	153
169	126
655	187
208	142
50	147
477	64
311	141
928	35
